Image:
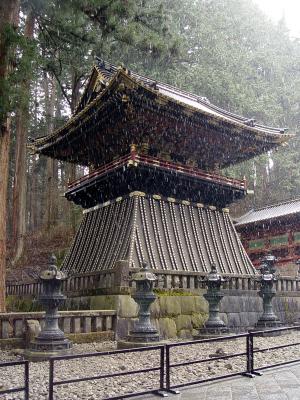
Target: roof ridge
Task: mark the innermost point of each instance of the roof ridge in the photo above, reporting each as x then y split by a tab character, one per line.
273	205
113	68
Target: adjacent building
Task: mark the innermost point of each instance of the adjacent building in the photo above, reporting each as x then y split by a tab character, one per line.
276	229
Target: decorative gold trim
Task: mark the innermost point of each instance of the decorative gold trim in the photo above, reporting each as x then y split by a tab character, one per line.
137	193
186	202
156	197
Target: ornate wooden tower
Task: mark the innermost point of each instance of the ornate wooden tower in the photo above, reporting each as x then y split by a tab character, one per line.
154	192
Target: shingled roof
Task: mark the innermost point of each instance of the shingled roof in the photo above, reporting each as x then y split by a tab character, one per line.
168	234
120	107
269	212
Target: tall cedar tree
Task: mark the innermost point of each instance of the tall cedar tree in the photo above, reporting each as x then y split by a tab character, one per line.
9	10
22	118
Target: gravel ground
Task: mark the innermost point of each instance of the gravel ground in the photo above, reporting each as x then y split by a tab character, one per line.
103	388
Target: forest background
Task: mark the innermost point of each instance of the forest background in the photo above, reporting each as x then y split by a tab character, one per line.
225	50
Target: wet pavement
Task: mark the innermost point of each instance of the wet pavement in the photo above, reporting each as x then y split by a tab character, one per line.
275	384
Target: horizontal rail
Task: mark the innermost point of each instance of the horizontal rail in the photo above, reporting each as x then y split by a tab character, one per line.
275	347
160	368
170	365
217	339
106	353
253	334
25	387
165	365
286	328
208	359
216	378
277	365
14	390
91	378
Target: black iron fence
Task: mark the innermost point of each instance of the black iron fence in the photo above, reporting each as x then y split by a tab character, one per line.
155	389
171	366
170	357
252	351
25	387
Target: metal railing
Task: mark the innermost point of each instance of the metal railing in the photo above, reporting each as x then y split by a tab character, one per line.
250	369
165	365
171	366
25	387
253	351
154	390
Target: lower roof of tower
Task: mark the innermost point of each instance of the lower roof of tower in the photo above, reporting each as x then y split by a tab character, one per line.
167	234
120	107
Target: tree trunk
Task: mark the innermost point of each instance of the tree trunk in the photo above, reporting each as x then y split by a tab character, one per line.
33	199
52	189
71	168
9	10
20	183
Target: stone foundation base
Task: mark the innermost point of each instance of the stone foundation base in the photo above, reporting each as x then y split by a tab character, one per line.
264	326
41	350
124	344
36	356
211	332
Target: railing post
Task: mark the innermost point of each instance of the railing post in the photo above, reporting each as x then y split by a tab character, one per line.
51	378
26	379
250	373
162	368
248	354
251	354
167	367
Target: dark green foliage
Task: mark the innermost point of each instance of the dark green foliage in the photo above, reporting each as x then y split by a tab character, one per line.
225	50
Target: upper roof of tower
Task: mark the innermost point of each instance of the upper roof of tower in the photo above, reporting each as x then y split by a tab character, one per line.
119	107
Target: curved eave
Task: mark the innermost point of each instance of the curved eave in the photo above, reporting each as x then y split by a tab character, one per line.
265	135
44	142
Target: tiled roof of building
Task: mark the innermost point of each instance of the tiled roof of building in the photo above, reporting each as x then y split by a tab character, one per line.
168	234
115	97
269	212
200	103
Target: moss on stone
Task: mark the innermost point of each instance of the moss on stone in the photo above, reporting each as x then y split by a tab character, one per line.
104	302
172	292
183	322
198	320
22	304
169	306
201	304
167	328
155	309
127	307
188	304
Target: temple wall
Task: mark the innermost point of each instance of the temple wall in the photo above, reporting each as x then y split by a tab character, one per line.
180	314
178	310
